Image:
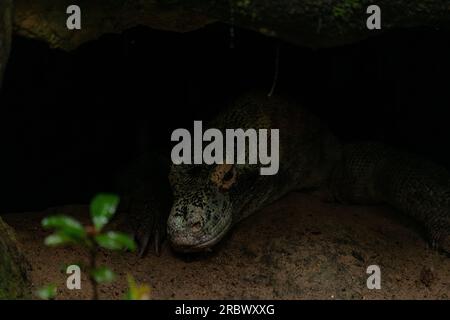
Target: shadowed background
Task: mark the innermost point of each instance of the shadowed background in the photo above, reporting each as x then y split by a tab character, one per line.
70	121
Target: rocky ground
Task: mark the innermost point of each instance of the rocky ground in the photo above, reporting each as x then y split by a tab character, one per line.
298	248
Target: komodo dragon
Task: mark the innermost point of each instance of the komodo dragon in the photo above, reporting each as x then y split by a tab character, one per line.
210	199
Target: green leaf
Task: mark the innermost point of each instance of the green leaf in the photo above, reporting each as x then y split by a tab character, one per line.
103	207
136	291
116	241
47	293
103	275
65	224
58	239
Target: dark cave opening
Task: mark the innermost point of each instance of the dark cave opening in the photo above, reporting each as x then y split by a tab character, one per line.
70	121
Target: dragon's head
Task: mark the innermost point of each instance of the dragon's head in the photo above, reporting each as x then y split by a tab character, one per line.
202	212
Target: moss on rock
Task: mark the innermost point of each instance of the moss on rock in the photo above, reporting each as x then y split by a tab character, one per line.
5	34
46	19
13	266
313	23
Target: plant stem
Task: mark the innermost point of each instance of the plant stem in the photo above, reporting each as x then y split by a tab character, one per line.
92	266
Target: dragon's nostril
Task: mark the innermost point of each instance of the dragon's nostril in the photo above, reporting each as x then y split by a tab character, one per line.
196	226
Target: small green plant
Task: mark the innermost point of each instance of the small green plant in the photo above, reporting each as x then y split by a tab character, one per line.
136	291
47	293
69	231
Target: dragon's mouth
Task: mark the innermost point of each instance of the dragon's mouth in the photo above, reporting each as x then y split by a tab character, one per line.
180	244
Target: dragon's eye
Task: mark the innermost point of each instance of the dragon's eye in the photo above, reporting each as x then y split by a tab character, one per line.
224	176
228	176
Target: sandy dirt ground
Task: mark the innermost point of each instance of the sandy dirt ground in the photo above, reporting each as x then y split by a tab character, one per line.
297	248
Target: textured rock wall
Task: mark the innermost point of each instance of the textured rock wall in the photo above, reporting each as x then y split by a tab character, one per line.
314	23
13	266
5	34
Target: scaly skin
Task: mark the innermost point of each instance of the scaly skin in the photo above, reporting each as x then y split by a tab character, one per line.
209	199
374	173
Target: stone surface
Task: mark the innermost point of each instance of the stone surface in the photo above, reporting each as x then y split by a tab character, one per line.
46	19
314	23
5	34
13	266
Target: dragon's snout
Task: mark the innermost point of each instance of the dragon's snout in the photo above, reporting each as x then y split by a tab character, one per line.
198	227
